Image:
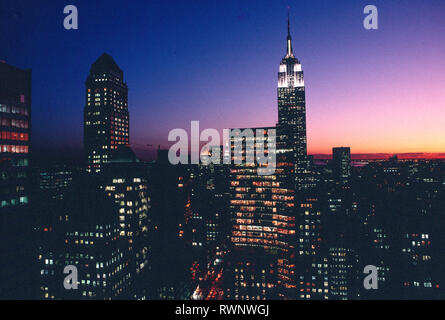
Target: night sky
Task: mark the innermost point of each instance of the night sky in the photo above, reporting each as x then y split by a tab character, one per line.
217	62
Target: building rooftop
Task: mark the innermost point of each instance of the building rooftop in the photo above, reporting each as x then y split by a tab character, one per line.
105	63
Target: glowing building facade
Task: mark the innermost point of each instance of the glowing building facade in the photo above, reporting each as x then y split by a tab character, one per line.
260	204
263	219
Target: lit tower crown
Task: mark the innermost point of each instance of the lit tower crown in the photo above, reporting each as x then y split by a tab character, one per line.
290	73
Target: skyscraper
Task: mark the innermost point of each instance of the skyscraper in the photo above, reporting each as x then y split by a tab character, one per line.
263	234
170	192
124	180
260	205
92	242
15	219
106	118
292	111
15	113
51	187
107	237
341	160
275	213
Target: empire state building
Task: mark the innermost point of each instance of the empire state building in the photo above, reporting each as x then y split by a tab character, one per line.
292	111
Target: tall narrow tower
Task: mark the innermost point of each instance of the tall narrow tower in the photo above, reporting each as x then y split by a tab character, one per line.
106	118
292	110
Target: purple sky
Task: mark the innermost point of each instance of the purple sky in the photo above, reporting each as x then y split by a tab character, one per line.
217	62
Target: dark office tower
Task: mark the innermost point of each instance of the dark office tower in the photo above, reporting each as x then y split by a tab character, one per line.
15	113
292	111
125	183
209	206
106	118
55	181
341	162
52	186
170	194
107	237
15	221
250	275
344	276
92	242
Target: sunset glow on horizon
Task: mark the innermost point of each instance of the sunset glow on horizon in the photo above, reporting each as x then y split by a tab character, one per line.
378	91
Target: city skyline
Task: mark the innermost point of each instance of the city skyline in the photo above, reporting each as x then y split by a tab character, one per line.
349	114
280	210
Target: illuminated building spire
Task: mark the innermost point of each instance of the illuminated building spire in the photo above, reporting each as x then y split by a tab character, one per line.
289	39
